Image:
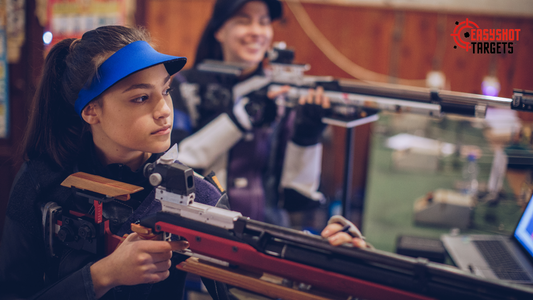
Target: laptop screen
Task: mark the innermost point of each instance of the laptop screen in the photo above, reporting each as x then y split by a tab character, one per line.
524	230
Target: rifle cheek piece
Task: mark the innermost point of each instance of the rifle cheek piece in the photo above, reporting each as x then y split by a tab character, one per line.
174	177
174	184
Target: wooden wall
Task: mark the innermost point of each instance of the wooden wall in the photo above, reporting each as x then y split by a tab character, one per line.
399	43
406	44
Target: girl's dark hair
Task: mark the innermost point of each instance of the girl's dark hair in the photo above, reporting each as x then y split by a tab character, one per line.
208	47
55	129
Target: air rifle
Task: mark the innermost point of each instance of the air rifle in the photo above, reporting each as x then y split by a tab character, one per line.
352	100
228	238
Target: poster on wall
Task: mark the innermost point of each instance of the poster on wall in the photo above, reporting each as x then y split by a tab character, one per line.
71	18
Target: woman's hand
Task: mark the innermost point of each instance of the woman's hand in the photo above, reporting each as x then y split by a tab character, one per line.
316	97
273	94
308	125
340	231
135	261
336	236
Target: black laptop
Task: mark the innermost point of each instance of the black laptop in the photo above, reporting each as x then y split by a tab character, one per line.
508	258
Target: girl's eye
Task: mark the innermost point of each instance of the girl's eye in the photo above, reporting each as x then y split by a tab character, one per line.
167	91
242	20
140	99
265	21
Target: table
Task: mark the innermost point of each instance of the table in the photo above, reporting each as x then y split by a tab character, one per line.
390	193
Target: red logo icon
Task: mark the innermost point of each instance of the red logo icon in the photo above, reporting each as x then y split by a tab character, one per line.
458	33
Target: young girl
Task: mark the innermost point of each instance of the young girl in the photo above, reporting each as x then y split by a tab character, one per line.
102	107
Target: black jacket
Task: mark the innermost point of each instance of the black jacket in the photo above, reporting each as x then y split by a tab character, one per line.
26	271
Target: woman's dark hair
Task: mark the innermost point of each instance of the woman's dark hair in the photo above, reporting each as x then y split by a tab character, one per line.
55	129
209	47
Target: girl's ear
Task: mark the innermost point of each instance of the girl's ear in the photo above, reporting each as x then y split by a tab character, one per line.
219	34
90	114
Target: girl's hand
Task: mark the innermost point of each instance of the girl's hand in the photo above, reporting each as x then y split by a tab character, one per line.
333	232
135	261
282	90
316	97
308	125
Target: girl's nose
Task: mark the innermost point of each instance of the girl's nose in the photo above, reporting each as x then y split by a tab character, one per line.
163	109
256	28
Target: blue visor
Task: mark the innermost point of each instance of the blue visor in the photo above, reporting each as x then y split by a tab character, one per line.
126	61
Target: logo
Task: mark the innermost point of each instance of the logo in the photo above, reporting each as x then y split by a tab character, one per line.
468	35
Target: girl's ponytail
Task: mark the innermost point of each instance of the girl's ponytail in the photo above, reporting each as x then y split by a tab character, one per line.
54	128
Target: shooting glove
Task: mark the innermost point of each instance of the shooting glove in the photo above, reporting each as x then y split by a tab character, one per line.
254	110
308	126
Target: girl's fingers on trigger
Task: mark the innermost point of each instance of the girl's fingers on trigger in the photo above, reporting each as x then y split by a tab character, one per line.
179	245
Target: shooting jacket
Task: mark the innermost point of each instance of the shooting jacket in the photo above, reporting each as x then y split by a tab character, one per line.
27	272
259	168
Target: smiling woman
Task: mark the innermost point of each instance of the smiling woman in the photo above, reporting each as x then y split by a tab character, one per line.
246	36
263	154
